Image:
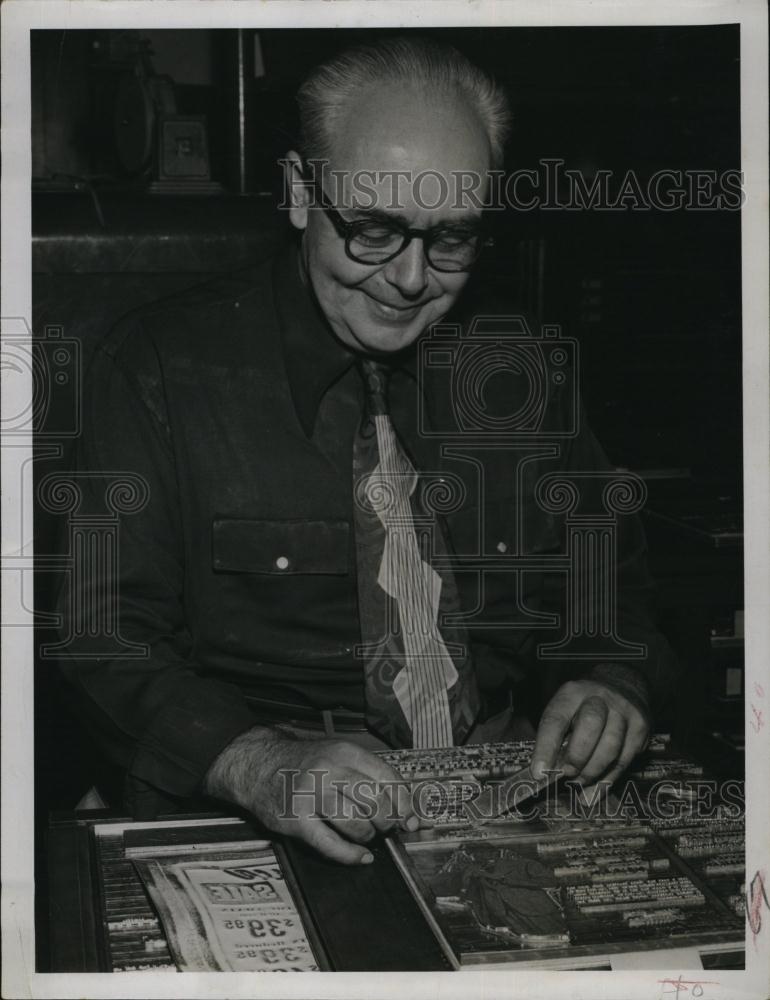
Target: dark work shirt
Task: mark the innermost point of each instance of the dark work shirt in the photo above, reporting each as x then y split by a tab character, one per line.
235	409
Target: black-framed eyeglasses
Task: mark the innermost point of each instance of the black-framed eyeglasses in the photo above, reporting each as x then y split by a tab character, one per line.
377	241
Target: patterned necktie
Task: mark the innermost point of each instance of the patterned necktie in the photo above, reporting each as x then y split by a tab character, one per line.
420	685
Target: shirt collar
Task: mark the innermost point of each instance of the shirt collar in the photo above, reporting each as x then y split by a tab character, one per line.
314	358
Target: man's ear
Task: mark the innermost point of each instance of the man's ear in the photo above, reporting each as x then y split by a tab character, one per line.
299	192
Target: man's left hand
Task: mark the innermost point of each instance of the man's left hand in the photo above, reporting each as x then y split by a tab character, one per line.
606	731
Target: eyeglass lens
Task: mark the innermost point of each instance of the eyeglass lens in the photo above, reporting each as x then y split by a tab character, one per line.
445	250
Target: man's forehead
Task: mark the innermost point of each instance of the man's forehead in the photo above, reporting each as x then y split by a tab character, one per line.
398	136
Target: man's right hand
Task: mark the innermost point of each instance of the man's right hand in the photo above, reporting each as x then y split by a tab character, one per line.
332	794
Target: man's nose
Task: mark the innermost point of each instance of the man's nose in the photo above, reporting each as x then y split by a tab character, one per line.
409	271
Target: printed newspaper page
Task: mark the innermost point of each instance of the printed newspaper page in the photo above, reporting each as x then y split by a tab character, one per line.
230	914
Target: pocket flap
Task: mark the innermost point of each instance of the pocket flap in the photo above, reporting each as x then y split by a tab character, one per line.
243	545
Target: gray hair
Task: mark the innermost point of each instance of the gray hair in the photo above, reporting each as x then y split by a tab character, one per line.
324	96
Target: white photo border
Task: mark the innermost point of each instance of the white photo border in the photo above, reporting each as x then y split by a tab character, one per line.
19	17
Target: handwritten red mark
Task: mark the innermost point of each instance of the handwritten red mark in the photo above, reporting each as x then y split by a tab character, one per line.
757	722
683	986
757	895
759	690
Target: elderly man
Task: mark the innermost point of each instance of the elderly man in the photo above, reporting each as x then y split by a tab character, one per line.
293	600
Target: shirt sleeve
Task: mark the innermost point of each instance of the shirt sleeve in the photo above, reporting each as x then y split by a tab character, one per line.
126	647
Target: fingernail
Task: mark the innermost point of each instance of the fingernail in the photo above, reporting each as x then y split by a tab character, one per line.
412	823
367	859
538	770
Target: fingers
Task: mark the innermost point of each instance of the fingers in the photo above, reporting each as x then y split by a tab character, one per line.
330	844
353	806
360	831
387	798
376	767
555	722
332	794
590	727
635	741
606	752
605	733
355	803
396	808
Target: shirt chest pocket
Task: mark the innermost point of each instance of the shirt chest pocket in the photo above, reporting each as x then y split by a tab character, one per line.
281	547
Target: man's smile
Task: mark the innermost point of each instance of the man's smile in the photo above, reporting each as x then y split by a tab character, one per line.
396	313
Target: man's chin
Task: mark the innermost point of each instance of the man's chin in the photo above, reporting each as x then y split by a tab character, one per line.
384	340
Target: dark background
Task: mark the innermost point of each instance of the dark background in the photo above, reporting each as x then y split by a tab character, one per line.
652	297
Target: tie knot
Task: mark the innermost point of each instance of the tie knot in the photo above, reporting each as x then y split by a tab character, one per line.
375	376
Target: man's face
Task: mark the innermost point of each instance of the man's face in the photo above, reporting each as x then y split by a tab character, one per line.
385	307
